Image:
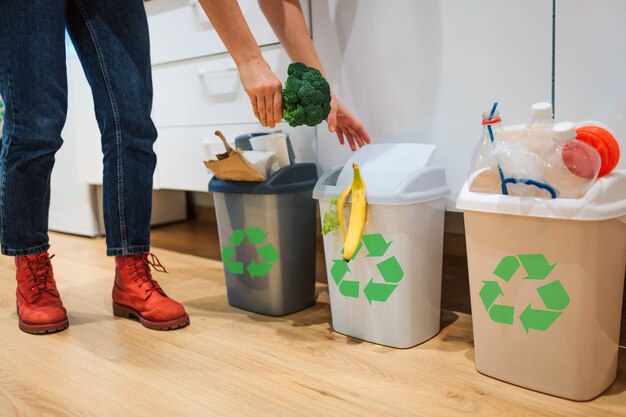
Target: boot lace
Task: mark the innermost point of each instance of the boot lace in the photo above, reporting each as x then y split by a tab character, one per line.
142	275
40	269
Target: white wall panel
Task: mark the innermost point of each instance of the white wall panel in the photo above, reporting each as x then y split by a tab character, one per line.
591	64
423	70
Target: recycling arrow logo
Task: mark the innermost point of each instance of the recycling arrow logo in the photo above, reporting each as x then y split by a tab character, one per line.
266	253
389	268
537	268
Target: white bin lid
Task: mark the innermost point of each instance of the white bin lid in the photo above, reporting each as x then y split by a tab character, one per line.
394	173
605	200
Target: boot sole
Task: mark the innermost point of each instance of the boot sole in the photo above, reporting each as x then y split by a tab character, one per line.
41	328
44	328
127	312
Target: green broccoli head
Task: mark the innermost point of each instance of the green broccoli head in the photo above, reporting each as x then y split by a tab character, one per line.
294	114
306	96
297	69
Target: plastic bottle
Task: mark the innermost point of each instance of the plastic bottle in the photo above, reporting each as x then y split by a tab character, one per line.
503	164
569	165
483	175
518	166
538	132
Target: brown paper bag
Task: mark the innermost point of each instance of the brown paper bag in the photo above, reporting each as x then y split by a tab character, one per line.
233	166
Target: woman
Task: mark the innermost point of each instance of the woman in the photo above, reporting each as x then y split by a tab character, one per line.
111	38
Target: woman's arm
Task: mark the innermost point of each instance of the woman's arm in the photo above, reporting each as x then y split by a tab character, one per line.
262	86
287	20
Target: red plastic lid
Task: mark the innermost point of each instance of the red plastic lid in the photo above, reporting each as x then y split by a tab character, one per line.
604	142
492	121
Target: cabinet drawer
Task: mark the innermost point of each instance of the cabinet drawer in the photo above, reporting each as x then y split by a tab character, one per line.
182	150
207	91
180	30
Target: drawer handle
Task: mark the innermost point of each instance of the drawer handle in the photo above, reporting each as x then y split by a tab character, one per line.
220	82
224	71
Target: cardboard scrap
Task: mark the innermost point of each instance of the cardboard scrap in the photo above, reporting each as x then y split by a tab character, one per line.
233	166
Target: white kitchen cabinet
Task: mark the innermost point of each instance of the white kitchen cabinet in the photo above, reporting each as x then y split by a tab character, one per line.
423	71
207	91
591	63
73	204
180	30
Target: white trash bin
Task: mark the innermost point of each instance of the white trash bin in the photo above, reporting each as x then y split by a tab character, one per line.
390	293
546	282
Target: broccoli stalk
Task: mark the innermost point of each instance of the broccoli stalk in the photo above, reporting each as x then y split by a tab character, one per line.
306	96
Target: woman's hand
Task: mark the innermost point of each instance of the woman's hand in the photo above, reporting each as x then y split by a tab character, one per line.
264	90
347	127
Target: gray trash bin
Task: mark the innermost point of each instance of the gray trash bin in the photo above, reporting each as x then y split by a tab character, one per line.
267	239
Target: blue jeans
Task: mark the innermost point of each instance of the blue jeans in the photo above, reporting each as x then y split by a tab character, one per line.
111	38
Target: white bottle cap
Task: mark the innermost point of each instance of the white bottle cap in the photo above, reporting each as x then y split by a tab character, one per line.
541	110
564	131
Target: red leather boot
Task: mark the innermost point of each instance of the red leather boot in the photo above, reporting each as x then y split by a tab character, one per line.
136	294
39	306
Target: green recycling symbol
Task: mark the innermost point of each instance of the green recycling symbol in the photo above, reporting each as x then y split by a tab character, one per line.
266	253
390	270
553	295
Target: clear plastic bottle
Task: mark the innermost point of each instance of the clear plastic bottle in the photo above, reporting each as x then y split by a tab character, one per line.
484	176
518	167
569	165
538	132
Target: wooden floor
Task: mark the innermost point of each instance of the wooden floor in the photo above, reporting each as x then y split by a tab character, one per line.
233	363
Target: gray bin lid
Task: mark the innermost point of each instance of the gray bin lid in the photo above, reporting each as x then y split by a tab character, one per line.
394	173
294	178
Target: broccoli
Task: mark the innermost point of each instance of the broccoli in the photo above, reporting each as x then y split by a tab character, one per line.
306	96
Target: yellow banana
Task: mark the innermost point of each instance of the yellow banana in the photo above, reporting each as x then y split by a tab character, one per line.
341	202
358	214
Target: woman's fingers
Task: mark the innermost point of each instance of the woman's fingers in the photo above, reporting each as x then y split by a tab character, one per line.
278	105
264	90
356	136
350	138
340	137
269	108
360	129
260	101
255	107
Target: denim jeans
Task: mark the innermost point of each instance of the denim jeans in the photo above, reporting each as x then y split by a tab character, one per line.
111	38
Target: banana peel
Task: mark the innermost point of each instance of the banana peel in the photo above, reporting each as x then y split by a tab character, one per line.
358	214
341	202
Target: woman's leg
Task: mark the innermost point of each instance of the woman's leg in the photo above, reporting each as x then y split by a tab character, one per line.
111	38
33	86
34	89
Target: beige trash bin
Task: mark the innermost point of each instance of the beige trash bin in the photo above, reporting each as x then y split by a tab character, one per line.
546	282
